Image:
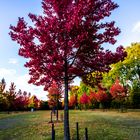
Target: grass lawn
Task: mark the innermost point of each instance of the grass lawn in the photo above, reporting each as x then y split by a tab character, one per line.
108	125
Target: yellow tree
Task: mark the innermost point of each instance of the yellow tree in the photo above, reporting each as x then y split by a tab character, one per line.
34	102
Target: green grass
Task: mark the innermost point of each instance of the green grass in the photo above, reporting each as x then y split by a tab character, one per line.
108	125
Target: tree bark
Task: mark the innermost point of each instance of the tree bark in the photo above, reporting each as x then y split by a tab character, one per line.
66	109
57	109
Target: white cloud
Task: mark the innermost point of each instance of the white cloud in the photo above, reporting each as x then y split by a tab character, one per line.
13	61
22	83
7	72
136	27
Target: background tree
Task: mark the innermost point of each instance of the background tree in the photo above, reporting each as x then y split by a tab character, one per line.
134	96
118	93
117	90
4	104
54	96
102	97
11	95
44	105
93	79
84	100
34	102
127	70
92	98
2	85
83	88
73	101
70	35
22	100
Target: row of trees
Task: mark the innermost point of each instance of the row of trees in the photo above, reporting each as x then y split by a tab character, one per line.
87	97
11	100
123	79
96	88
128	72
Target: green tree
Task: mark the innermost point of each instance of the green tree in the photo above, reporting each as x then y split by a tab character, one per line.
3	99
2	85
135	95
83	88
11	96
128	70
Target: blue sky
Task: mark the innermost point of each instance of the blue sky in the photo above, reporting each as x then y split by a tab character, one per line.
127	18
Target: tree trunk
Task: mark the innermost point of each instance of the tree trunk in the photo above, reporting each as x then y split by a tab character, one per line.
57	110
66	109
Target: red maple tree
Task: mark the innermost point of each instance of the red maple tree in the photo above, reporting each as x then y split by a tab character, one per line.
92	98
117	90
66	41
54	96
84	99
22	100
101	96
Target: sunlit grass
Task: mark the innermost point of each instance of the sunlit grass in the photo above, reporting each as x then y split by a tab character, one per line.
110	125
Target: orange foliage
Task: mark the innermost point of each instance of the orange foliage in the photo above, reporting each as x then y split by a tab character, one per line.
72	100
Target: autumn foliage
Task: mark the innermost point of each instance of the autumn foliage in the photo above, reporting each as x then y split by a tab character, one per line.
101	96
84	99
34	102
117	90
73	101
54	94
92	97
22	100
12	100
70	35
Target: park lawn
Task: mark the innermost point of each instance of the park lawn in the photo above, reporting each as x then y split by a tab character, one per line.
110	125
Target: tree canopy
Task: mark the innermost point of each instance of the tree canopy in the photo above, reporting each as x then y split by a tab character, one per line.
69	34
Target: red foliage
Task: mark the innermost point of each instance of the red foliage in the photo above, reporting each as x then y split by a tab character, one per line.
54	94
54	89
117	90
84	99
22	100
101	96
70	35
92	97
